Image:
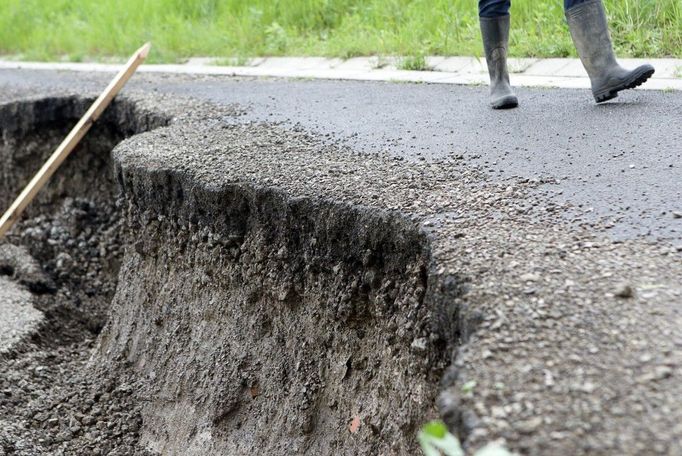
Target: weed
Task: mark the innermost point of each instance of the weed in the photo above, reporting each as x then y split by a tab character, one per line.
414	63
231	61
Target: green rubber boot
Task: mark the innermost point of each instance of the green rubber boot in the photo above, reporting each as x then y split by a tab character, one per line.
590	33
495	33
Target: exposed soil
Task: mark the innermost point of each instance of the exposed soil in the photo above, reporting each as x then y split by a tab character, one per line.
67	252
258	335
242	320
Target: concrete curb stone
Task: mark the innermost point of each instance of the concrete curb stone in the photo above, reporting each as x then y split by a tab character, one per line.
467	70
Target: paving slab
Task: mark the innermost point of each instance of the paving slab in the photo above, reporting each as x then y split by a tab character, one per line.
572	69
360	64
455	64
547	67
565	82
302	63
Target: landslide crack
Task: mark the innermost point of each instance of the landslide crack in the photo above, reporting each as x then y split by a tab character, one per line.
66	250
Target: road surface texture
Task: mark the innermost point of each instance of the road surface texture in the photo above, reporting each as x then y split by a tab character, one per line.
295	256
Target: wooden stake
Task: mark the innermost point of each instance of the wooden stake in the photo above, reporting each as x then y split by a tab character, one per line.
71	141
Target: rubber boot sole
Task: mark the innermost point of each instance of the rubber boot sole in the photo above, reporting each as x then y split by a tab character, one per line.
507	102
638	77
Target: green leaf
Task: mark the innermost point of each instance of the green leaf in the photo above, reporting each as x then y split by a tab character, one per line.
435	439
436	429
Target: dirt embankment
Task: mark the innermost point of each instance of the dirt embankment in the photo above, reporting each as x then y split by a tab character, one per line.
236	319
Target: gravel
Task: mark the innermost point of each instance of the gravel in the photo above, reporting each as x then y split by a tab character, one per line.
51	401
19	318
59	266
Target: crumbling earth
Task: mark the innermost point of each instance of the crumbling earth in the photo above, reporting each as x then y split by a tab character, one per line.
236	287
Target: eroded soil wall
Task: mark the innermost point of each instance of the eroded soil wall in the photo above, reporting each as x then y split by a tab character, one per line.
238	319
268	324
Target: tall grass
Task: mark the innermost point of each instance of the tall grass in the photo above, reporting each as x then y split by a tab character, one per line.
96	29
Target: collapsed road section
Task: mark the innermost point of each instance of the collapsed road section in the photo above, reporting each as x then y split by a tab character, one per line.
246	320
218	287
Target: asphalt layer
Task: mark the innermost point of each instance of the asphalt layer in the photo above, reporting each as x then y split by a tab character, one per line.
568	341
555	135
620	162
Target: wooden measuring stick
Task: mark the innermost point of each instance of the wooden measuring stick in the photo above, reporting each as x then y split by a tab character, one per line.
71	141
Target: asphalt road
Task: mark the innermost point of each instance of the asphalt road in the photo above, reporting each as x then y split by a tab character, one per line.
620	162
572	341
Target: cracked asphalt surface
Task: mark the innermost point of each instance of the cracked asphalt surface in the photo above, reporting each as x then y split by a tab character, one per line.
616	160
620	161
549	214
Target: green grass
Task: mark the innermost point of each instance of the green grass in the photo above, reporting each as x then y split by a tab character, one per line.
413	62
99	29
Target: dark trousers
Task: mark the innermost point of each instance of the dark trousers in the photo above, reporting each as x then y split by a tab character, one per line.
498	8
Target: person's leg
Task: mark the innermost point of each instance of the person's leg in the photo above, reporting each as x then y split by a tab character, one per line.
494	20
568	4
493	8
590	33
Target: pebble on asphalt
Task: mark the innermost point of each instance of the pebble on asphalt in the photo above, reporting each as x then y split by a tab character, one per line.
624	291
